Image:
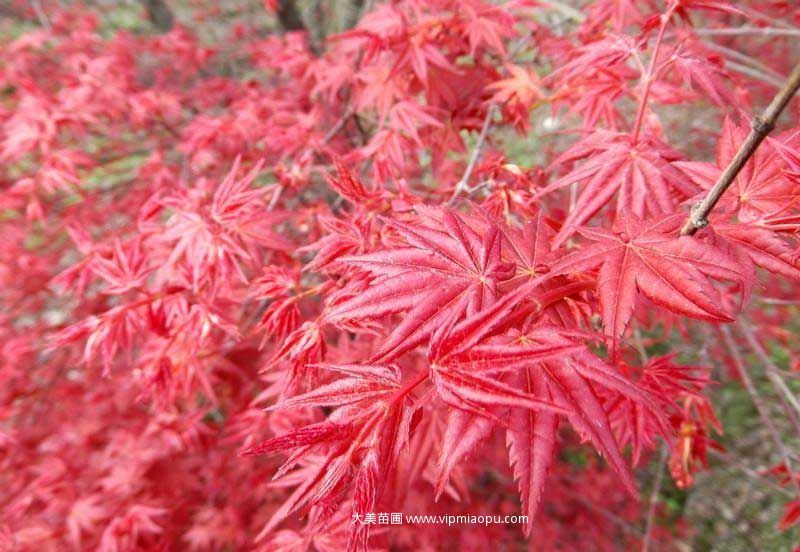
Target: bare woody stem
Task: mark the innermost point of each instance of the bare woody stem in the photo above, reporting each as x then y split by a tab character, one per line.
763	411
463	184
761	127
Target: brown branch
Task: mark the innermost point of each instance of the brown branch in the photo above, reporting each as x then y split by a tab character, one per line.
761	127
355	12
159	14
651	508
772	371
463	183
760	477
289	16
738	31
763	412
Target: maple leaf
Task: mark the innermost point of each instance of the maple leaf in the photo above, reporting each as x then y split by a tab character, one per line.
530	249
644	175
554	375
125	270
522	87
85	514
608	53
447	271
475	393
214	231
306	435
791	515
646	257
531	441
407	117
367	383
764	247
488	26
668	384
702	69
463	432
760	189
365	435
348	186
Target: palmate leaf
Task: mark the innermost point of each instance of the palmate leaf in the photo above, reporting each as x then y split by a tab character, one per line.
644	175
764	247
447	271
550	375
531	441
761	188
474	381
671	271
477	393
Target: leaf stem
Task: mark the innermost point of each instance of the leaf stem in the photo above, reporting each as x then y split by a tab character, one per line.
650	75
761	127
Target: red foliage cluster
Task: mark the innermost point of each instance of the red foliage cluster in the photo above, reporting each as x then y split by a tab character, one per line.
250	291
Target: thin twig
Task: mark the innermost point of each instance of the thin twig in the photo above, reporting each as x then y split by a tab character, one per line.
756	398
611	516
276	195
777	301
738	31
751	65
651	509
463	183
772	371
754	73
650	76
761	127
731	462
337	126
44	21
758	16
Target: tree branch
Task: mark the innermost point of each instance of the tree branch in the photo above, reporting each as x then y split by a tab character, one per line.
739	31
772	371
159	14
289	16
651	508
761	127
741	370
747	65
463	183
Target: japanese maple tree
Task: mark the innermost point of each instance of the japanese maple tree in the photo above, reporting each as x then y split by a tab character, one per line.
271	268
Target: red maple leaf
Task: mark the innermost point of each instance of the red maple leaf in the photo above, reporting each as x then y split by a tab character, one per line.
643	175
446	271
647	257
761	188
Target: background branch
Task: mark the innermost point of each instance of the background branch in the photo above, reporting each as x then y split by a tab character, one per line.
289	16
159	14
763	412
